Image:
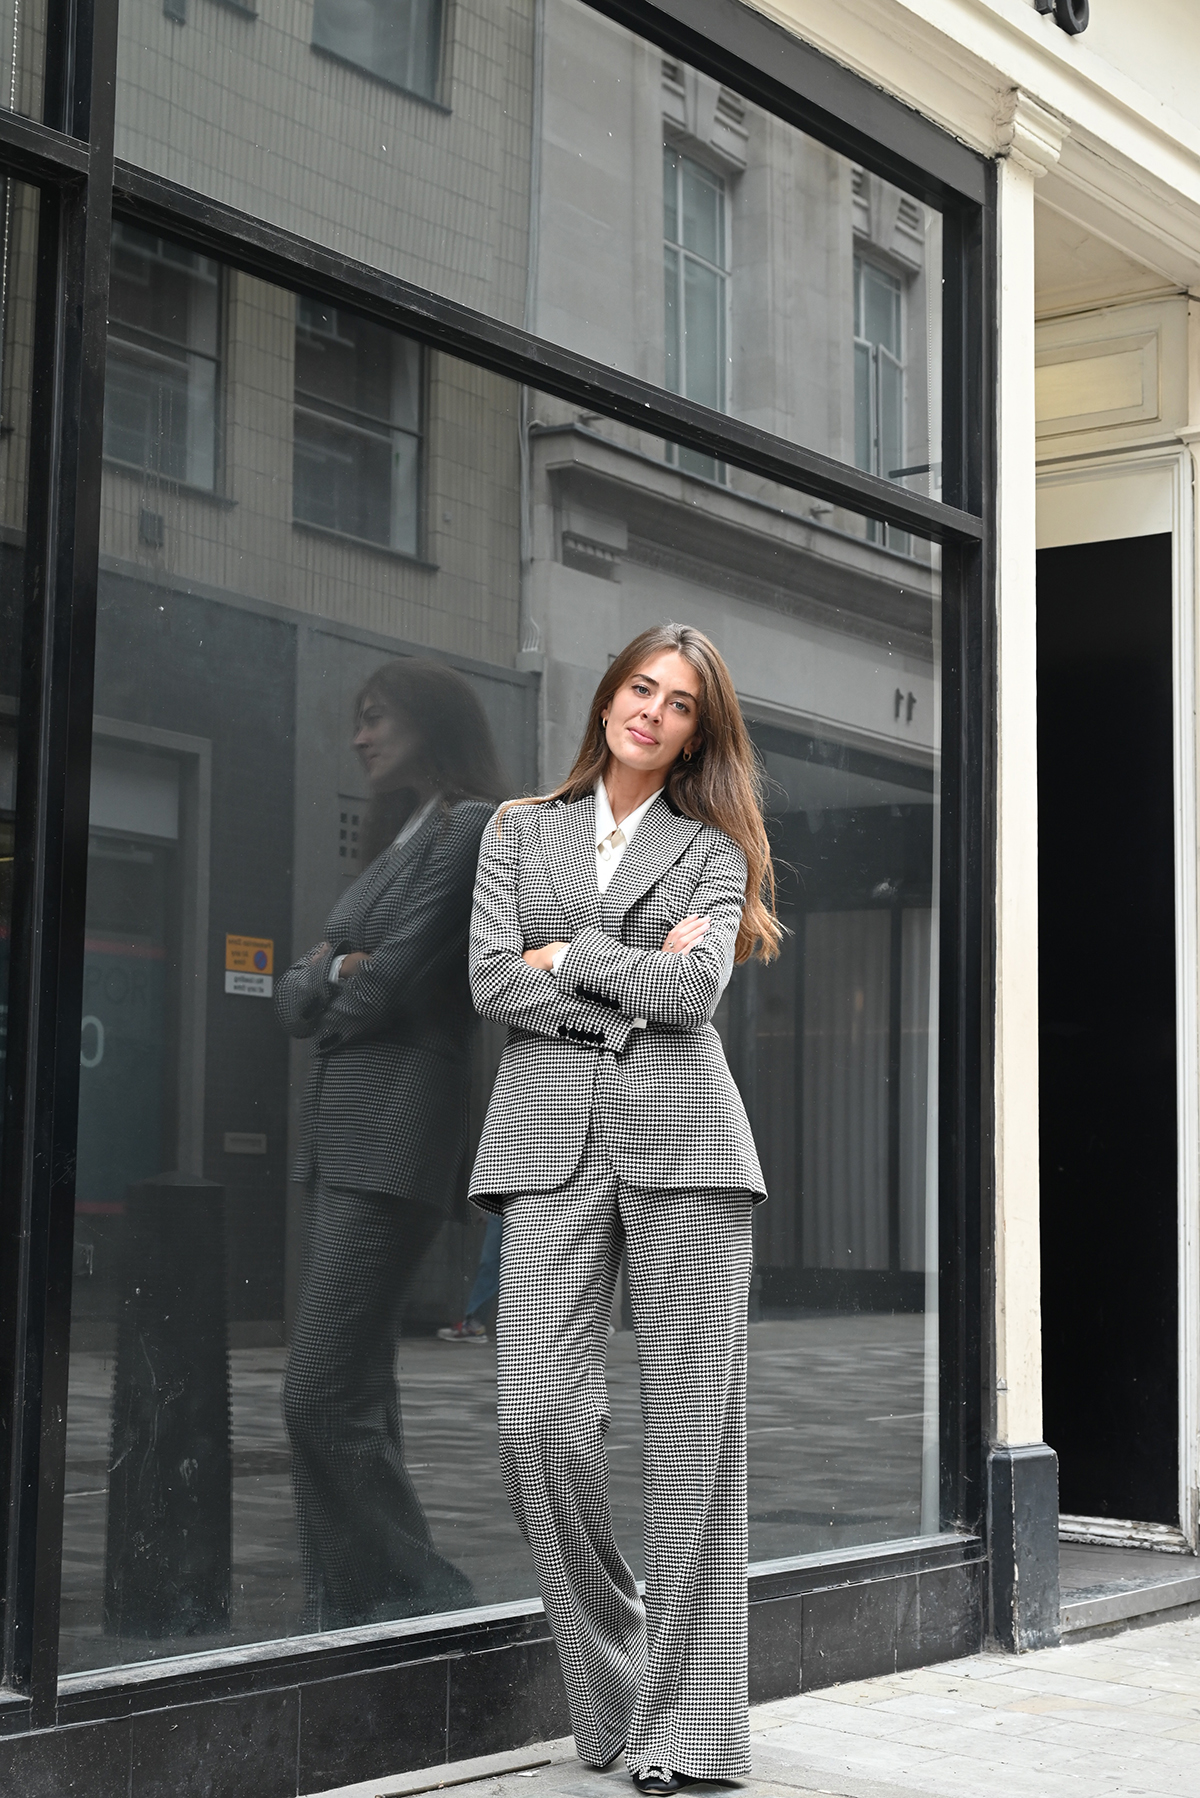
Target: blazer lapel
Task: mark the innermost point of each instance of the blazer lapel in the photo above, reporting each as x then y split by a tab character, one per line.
357	902
658	843
568	834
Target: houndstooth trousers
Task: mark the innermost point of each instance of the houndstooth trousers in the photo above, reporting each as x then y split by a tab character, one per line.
667	1680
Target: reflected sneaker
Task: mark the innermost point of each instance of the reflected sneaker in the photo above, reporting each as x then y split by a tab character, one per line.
469	1330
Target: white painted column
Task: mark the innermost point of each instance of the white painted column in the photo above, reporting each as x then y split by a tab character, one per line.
1023	1478
1031	139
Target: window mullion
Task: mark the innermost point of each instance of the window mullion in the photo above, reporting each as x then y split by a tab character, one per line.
50	849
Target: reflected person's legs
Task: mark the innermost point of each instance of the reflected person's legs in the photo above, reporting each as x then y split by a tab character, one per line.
557	1271
364	1540
487	1277
689	1256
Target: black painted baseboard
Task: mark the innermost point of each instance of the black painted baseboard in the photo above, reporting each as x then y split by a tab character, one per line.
841	1290
302	1724
1023	1539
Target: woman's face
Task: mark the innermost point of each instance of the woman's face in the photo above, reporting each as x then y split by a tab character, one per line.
387	746
655	715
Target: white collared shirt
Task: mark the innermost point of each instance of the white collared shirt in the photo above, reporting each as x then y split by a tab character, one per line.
408	829
612	840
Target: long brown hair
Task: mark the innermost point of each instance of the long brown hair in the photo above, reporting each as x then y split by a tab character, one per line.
719	785
457	754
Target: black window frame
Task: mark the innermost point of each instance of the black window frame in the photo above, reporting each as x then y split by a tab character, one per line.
69	158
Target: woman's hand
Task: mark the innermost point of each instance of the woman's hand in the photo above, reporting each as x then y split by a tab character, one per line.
320	950
351	964
544	958
685	936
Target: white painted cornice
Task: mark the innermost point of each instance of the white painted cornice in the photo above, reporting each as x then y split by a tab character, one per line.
1028	133
955	58
1130	166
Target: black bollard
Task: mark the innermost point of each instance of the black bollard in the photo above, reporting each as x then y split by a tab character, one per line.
167	1552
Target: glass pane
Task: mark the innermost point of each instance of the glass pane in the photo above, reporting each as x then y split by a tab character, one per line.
342	478
22	56
703	212
864	432
160	411
18	221
406	383
891	416
671	161
406	492
344	361
622	143
397	41
703	336
881	307
273	701
672	359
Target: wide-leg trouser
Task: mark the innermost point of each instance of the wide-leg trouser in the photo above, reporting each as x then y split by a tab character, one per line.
364	1540
666	1680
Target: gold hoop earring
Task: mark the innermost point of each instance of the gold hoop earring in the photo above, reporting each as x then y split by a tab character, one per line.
687	755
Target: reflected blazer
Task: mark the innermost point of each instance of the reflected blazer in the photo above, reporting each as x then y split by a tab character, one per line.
663	1097
386	1106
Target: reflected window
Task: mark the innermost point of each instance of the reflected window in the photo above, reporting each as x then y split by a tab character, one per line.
696	297
161	391
397	40
357	453
879	424
878	369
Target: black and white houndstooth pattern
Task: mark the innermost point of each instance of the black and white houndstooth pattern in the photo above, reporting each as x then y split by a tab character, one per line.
670	1113
386	1106
667	1681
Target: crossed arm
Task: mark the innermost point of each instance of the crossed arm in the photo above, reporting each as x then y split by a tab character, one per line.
601	985
375	990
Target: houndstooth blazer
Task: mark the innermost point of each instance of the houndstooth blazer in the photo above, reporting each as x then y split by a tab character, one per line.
386	1105
663	1096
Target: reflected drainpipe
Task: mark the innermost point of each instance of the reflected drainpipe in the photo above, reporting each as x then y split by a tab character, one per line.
530	656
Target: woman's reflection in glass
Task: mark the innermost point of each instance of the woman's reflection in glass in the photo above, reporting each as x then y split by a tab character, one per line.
385	998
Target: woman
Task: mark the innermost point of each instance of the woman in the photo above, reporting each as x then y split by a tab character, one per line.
385	995
608	916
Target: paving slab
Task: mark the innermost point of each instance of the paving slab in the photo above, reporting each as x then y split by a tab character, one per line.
1118	1718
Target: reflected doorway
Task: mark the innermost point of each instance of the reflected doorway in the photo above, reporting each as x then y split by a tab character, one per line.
1109	1203
128	1076
832	1049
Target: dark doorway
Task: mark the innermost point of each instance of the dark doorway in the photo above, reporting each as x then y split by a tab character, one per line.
1108	1149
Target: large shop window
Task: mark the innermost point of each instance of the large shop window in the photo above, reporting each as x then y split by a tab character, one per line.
233	813
542	197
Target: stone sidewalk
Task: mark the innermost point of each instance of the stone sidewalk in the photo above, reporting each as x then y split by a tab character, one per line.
1117	1716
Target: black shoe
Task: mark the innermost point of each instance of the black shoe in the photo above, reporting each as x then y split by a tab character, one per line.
660	1782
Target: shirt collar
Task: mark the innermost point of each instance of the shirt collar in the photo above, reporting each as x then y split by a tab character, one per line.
412	825
606	823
